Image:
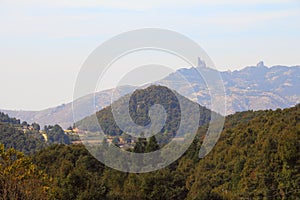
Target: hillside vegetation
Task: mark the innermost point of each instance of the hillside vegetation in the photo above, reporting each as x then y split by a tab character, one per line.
257	157
29	138
179	111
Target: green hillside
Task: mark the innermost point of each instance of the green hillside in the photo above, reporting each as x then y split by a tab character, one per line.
257	157
140	102
28	138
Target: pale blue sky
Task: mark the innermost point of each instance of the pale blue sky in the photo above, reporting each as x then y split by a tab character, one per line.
44	43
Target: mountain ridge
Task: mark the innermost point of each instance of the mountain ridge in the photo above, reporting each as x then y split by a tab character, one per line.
251	88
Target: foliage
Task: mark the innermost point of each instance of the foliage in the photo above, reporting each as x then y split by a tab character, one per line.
20	178
257	156
19	136
56	134
28	138
75	173
140	103
4	118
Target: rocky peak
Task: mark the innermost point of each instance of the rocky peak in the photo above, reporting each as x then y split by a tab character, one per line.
201	63
260	64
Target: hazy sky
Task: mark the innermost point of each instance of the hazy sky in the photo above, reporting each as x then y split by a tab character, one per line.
43	43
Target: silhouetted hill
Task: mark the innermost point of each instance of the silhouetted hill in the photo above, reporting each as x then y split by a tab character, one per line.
179	111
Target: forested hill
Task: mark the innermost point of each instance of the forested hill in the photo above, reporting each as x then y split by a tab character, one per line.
179	110
4	118
28	138
256	157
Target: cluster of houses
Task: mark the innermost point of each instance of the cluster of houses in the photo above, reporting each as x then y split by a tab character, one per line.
116	140
93	138
27	128
74	131
121	142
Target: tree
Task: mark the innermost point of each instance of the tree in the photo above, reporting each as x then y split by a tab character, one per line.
36	126
140	146
152	145
20	178
56	135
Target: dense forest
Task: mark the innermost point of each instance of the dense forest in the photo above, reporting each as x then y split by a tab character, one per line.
256	157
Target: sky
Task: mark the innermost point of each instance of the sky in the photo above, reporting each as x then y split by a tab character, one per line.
43	43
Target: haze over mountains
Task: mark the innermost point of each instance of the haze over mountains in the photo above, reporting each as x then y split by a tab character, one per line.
252	88
63	114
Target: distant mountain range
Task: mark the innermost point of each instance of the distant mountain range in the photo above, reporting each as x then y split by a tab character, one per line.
252	88
63	114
